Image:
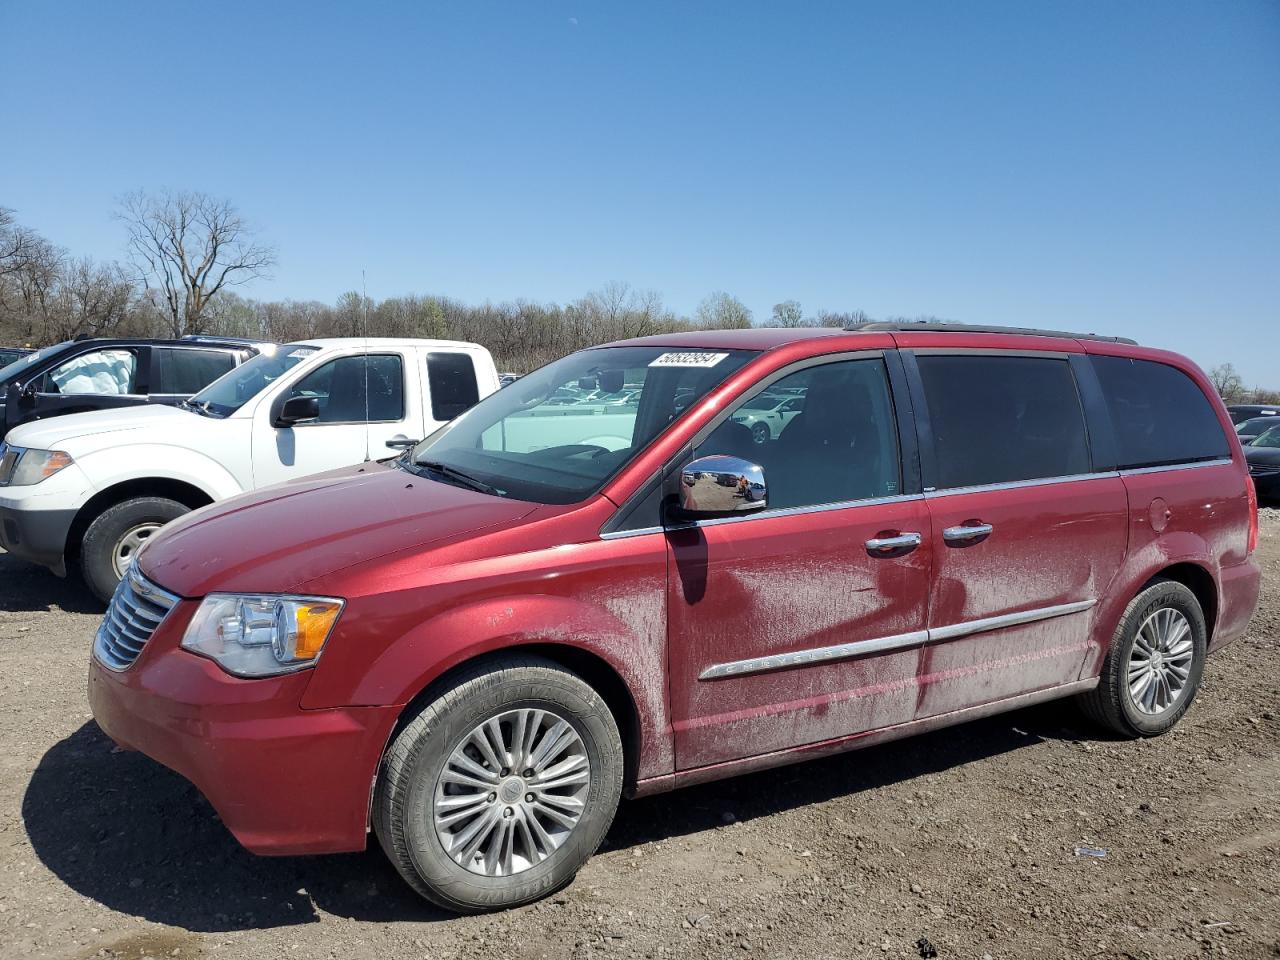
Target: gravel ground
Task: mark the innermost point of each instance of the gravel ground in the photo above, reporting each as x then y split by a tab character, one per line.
965	839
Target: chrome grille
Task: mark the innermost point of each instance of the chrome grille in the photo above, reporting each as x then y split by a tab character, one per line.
137	607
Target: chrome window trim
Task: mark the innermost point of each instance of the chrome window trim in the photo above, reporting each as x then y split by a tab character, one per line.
766	515
932	493
844	651
1140	471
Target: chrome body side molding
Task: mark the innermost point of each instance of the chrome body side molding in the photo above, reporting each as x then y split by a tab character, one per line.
844	651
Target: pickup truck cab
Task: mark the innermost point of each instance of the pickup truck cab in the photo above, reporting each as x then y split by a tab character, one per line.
92	487
476	648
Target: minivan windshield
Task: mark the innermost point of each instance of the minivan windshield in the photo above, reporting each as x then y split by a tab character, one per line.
233	390
15	369
557	435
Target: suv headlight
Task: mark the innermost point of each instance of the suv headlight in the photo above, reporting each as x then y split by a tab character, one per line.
252	635
23	467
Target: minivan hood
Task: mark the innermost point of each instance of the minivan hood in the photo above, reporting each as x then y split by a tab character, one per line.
161	422
275	539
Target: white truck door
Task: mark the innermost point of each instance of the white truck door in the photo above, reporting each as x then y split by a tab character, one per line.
363	402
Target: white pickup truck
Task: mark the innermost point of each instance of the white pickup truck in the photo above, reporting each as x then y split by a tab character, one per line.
92	487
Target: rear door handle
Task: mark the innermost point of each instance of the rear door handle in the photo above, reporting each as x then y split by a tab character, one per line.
891	545
967	533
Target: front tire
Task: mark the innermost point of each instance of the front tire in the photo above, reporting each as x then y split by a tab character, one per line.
760	433
500	788
108	545
1155	663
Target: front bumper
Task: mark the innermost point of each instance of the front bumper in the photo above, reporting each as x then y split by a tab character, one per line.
37	535
283	779
1267	485
35	520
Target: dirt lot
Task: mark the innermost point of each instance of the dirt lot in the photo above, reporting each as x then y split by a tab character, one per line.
966	837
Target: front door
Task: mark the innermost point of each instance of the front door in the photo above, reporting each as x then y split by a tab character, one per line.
1026	537
794	626
96	379
363	404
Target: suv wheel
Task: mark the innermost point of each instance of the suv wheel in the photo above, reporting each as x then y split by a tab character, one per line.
1153	669
498	791
760	433
113	538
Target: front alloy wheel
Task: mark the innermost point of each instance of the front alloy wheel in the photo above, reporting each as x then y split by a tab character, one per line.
512	792
498	790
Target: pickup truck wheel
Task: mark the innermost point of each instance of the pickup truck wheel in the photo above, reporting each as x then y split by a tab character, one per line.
108	546
1153	669
498	790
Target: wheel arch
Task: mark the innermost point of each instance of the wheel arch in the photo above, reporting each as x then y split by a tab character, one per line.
188	494
592	668
1200	582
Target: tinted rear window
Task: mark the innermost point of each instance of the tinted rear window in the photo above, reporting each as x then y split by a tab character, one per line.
451	378
1160	415
1003	419
186	372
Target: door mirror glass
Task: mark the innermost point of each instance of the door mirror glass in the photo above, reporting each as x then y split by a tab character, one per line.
719	484
297	410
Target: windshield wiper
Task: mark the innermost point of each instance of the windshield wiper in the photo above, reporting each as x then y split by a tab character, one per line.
201	408
460	477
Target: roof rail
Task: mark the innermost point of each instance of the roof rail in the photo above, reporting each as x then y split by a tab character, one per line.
215	338
889	326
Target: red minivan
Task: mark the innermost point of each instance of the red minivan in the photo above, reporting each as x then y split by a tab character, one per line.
603	580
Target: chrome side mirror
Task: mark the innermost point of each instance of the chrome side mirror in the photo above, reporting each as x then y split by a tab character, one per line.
721	484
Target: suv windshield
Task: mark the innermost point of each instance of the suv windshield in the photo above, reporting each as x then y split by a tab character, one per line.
232	391
1268	438
15	369
556	437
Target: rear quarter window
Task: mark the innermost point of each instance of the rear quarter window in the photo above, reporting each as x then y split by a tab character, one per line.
451	379
1160	415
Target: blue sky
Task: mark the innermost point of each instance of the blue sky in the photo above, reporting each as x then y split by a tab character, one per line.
1112	166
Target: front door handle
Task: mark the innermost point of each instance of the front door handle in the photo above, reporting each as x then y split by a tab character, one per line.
967	533
402	443
900	543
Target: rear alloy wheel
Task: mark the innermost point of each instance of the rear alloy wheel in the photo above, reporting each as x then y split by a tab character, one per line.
1153	669
501	788
117	534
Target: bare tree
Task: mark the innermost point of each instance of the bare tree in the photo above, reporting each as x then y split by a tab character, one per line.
720	311
17	243
787	314
1226	381
189	246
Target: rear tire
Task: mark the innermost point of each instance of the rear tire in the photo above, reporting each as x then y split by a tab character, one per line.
116	533
532	832
1149	680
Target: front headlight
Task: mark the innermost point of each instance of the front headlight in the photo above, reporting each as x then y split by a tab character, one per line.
253	635
23	467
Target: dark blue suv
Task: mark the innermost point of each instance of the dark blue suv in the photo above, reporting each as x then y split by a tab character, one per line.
100	374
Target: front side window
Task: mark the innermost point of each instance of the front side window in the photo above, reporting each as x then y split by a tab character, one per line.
1001	419
229	393
184	372
837	442
1161	417
356	389
558	434
103	372
451	378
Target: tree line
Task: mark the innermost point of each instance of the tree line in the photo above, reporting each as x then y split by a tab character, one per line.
188	252
1231	387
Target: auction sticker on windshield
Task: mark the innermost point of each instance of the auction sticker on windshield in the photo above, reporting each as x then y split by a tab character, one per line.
688	360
